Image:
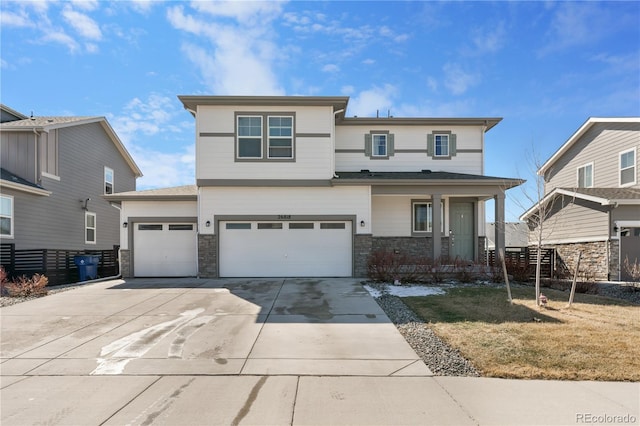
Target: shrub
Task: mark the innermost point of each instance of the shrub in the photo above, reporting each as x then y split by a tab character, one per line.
23	286
389	266
520	271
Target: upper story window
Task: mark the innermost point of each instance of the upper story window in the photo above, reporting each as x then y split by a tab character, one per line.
441	144
90	228
378	144
6	216
379	148
280	137
108	181
262	136
585	176
628	168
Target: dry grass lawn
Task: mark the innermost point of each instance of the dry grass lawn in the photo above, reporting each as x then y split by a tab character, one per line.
597	339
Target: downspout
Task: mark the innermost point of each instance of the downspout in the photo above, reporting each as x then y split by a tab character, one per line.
333	143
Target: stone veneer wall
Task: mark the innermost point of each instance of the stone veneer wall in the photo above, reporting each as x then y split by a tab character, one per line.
125	263
596	261
482	250
361	250
614	260
207	256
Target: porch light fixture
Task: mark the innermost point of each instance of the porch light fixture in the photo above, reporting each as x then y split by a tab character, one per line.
125	224
362	223
207	223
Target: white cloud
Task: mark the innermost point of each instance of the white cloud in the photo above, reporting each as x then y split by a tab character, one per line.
235	57
347	90
376	99
142	6
18	19
61	37
457	80
369	61
331	68
87	5
489	40
157	116
82	24
432	84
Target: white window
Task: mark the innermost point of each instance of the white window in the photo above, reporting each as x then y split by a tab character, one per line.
90	228
6	216
441	145
628	168
379	145
585	176
108	180
423	217
249	137
280	137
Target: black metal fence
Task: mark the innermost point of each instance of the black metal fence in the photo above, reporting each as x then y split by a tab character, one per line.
57	265
528	256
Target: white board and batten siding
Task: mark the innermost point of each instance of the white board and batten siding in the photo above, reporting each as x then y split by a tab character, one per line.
215	155
469	141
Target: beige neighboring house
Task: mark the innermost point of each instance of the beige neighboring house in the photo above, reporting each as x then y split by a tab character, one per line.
291	186
516	235
592	198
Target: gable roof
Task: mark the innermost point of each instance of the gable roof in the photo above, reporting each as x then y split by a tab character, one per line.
579	133
176	193
46	124
12	112
602	196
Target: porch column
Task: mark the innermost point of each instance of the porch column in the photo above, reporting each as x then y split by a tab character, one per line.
436	201
499	225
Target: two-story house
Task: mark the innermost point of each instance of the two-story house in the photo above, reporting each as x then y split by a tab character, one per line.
592	198
55	172
290	186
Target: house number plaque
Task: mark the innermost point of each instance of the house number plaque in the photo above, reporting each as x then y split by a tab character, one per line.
284	216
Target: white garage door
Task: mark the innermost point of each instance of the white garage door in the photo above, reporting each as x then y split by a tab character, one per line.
285	249
164	250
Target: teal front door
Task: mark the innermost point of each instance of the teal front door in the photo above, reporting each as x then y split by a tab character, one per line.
461	230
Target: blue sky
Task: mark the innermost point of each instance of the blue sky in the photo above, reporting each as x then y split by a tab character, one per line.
545	67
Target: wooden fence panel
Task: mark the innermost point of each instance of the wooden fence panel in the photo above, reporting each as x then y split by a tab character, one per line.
57	265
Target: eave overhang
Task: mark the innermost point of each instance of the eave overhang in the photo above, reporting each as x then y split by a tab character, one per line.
24	188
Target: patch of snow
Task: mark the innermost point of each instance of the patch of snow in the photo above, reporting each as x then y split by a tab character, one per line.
404	291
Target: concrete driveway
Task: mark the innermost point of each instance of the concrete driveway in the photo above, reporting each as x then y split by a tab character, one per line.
269	351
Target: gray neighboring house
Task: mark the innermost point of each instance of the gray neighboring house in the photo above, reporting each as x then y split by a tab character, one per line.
592	195
55	172
516	234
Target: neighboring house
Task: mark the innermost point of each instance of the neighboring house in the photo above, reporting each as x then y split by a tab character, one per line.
592	198
289	186
516	234
55	172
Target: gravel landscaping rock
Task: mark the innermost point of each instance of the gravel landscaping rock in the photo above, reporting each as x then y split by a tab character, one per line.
441	358
8	301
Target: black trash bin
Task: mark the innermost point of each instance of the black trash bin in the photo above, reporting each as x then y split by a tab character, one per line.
87	266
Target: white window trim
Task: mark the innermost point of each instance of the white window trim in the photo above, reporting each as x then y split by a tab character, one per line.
50	176
635	167
373	145
113	179
279	137
238	137
435	145
593	177
95	228
11	217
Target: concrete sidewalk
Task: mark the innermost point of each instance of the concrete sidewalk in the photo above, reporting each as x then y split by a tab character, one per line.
305	351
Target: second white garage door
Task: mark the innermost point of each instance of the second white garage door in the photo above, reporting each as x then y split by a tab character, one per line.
285	249
165	250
